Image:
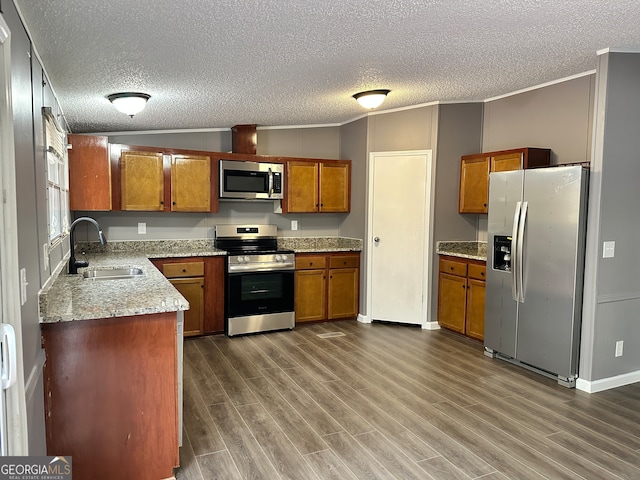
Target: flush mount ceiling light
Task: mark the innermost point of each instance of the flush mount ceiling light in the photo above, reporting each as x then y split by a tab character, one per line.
129	102
372	98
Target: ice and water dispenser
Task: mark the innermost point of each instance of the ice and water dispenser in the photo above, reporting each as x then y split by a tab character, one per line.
502	253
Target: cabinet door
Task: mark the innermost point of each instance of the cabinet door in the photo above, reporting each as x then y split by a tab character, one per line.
89	173
506	162
214	273
302	186
343	293
334	187
452	294
190	183
193	290
475	309
474	185
142	181
311	295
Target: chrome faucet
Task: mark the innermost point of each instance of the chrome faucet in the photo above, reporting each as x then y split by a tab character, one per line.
73	263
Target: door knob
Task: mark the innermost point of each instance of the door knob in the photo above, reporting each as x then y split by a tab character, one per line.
376	239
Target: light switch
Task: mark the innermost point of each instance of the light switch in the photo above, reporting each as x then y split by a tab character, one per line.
608	249
294	224
142	228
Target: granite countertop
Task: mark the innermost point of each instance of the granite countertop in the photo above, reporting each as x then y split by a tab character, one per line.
473	250
320	244
72	297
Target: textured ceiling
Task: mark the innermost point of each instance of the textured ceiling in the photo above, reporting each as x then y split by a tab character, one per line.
211	64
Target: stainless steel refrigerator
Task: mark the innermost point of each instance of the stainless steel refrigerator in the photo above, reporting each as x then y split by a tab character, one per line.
535	266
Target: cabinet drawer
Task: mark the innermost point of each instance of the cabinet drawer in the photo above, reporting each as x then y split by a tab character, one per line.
310	262
186	269
454	268
477	271
344	261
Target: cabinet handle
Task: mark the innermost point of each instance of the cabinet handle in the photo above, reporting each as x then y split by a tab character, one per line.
310	264
451	268
184	270
173	203
344	263
463	286
482	274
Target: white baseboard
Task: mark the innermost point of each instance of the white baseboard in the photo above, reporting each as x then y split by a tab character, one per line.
607	383
431	326
363	318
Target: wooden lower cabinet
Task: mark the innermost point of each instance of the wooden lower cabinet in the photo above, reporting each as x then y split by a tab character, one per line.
111	396
461	295
327	286
201	283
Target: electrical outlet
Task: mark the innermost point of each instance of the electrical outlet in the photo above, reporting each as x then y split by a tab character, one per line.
142	228
608	249
619	348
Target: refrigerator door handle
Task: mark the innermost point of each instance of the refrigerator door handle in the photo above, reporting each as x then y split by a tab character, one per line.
520	250
514	248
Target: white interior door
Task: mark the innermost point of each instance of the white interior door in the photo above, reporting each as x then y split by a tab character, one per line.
398	232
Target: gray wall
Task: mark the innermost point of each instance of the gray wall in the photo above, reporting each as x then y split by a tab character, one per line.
353	145
612	285
28	96
310	142
459	133
557	116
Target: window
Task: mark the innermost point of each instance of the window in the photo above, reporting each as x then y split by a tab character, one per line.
57	176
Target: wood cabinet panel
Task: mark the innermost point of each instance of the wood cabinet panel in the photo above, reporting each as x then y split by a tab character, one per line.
327	286
475	169
212	271
452	295
310	301
311	261
461	295
343	293
334	187
506	162
474	315
183	269
474	185
302	186
111	395
193	290
142	181
318	186
214	274
190	183
89	173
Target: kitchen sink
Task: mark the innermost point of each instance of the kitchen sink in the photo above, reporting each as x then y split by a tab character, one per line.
112	273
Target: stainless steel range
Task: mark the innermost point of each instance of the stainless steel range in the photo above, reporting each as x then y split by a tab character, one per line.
259	287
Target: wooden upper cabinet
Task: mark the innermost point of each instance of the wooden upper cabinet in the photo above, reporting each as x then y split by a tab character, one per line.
318	186
89	173
302	186
190	183
506	162
475	169
474	185
335	186
142	181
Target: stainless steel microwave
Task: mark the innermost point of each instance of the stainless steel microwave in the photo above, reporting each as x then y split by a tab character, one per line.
251	180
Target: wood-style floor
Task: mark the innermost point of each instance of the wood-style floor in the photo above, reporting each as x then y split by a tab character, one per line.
391	402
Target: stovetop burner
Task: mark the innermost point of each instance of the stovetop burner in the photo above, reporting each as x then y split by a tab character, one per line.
250	245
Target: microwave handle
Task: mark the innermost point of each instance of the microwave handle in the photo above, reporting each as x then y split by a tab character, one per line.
270	182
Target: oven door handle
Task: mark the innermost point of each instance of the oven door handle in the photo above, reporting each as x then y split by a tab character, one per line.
253	292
